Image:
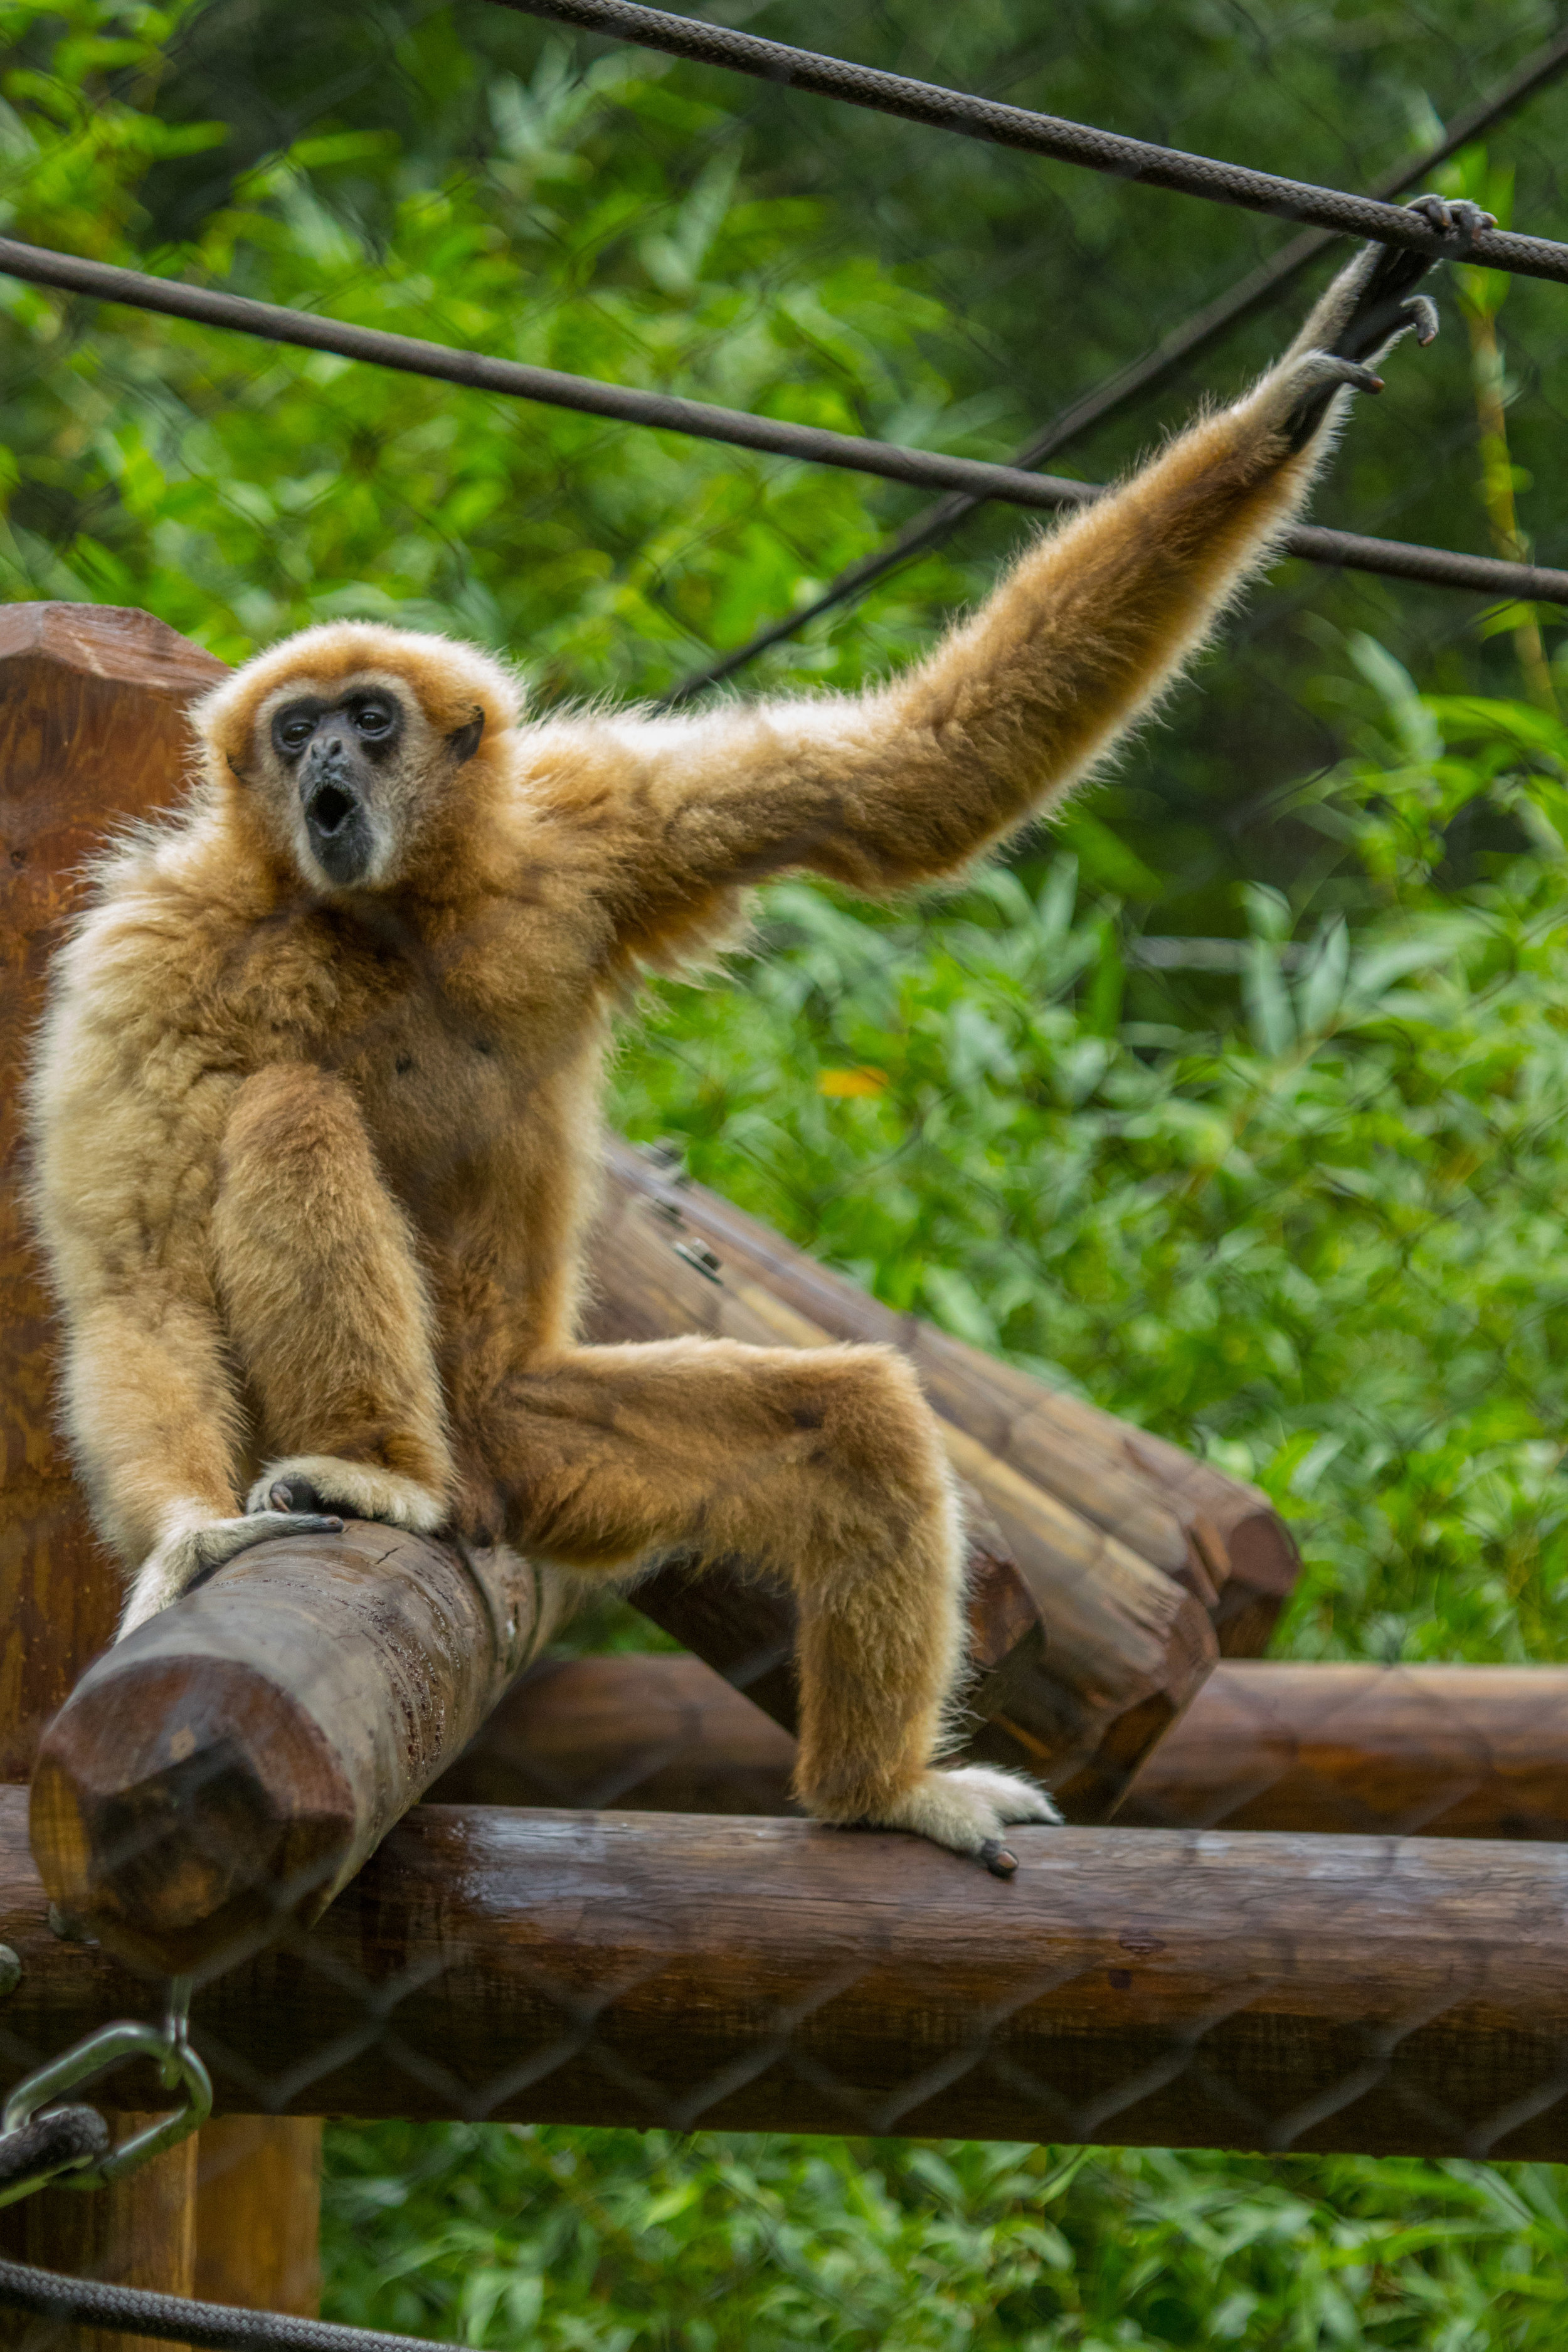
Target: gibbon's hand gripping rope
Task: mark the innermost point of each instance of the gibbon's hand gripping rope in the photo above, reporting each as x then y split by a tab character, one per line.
1045	134
926	469
1126	385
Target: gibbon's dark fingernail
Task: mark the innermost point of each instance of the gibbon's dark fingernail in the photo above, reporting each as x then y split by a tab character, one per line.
997	1860
280	1498
334	1526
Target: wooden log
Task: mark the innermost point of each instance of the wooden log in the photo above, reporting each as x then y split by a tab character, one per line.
1137	1986
663	1735
1128	1640
1401	1751
258	2213
225	1770
1220	1536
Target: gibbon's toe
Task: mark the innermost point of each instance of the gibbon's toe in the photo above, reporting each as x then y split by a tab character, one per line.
358	1490
967	1810
185	1559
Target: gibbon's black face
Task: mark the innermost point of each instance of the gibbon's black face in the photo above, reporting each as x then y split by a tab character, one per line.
336	752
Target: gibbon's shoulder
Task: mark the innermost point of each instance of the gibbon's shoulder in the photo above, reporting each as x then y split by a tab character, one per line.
154	903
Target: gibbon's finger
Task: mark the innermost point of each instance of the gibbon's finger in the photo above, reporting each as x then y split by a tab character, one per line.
1453	217
1421	312
998	1861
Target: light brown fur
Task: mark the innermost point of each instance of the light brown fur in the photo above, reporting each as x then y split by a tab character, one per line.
314	1163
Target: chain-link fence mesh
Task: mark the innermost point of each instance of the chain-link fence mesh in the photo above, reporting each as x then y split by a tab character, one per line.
1234	1105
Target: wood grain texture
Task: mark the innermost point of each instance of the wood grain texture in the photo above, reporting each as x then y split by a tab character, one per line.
228	1767
258	2213
93	703
1129	1985
1406	1751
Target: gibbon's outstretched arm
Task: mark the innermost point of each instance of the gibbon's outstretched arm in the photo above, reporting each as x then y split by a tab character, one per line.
909	780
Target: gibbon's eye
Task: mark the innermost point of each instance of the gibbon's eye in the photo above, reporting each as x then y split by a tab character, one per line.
374	721
292	730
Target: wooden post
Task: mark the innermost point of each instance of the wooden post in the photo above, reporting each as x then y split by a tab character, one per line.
1398	1751
92	704
258	2204
142	2233
93	731
1139	1986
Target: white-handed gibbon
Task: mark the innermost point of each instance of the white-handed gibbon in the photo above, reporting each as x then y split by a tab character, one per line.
316	1104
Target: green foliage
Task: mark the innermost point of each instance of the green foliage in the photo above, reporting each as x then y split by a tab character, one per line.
572	2240
240	489
1319	1237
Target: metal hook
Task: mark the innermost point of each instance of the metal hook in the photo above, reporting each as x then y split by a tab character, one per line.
179	2067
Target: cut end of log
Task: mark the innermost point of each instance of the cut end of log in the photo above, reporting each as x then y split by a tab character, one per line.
187	1817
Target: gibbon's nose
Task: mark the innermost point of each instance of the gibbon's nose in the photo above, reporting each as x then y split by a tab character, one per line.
326	786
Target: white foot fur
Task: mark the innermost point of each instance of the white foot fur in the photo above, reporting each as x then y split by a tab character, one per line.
967	1811
320	1482
183	1557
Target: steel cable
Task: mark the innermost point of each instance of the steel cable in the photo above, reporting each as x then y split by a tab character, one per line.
1047	134
1118	392
701	420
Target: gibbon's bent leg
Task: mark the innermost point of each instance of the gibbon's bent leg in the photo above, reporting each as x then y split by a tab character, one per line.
326	1308
823	1468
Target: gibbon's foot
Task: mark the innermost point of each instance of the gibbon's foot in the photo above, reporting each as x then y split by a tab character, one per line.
185	1559
967	1810
322	1482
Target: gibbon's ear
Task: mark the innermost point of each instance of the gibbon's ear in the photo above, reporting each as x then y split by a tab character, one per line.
464	741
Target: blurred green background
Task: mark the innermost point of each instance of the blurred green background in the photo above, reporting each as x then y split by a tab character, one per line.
1236	1102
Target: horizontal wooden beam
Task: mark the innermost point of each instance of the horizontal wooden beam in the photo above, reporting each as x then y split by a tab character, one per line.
1453	1751
1406	1751
1129	1986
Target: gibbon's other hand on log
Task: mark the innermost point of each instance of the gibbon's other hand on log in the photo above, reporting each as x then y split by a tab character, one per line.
316	1103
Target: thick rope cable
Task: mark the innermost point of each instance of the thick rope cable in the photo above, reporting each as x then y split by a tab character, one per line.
1047	134
812	444
1118	392
214	2326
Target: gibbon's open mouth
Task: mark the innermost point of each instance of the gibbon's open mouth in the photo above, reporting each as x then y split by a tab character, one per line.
330	811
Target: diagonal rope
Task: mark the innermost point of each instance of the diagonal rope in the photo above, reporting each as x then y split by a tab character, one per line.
176	2319
1048	134
701	420
1117	392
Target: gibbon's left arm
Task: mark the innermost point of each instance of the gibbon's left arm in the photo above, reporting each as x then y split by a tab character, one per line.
909	780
